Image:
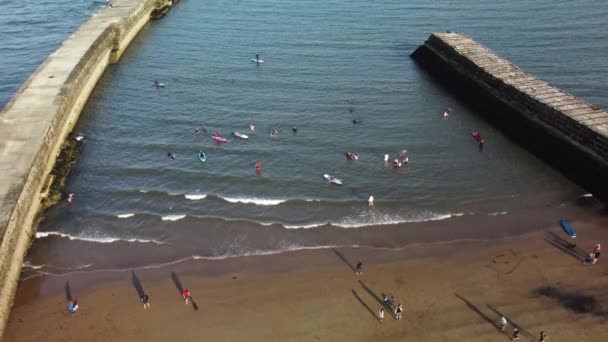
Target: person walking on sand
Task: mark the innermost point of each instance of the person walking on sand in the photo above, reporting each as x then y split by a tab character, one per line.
398	311
370	201
543	337
596	252
381	315
515	334
145	300
186	296
359	268
502	323
72	307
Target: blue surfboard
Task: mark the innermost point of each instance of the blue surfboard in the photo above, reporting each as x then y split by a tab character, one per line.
567	228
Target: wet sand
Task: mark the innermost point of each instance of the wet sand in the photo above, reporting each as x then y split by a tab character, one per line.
450	291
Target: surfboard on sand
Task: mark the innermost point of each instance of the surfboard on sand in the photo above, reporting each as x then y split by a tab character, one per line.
567	228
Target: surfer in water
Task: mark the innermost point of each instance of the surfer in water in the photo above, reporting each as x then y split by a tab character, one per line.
170	155
70	198
156	83
274	133
217	134
294	129
197	131
252	128
258	165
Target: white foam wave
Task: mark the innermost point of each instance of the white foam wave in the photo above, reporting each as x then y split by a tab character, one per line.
498	213
389	219
588	195
101	239
172	217
304	226
143	191
127	215
195	197
253	200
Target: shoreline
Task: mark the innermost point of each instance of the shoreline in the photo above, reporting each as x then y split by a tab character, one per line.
78	255
305	295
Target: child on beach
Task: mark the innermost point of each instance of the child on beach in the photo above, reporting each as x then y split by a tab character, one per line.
145	300
381	315
186	296
515	334
359	268
589	258
398	311
72	307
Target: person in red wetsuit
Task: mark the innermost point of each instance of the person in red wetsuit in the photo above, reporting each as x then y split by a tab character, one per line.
186	296
217	134
258	165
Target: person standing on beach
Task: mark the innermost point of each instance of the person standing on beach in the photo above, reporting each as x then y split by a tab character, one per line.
186	296
145	300
543	336
72	307
515	334
398	311
370	201
502	324
381	315
359	268
596	252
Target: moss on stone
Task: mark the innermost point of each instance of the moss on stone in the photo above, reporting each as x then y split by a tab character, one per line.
70	151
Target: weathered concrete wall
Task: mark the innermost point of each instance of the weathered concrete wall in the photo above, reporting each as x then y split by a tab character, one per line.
35	122
560	128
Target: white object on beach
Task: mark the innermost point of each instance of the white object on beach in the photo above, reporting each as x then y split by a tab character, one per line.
370	201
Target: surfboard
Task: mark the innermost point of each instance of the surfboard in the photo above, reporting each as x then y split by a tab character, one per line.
335	181
567	228
160	85
241	135
218	139
257	60
202	157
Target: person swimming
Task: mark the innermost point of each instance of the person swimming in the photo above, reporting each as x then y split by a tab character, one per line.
386	157
156	83
294	129
357	121
355	156
70	198
197	131
251	128
258	165
349	155
170	155
274	132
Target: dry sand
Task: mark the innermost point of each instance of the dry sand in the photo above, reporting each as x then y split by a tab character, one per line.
450	291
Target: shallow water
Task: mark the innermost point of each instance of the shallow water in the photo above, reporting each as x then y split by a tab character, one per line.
325	65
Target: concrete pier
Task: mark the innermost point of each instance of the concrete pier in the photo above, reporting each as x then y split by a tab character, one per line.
558	127
35	122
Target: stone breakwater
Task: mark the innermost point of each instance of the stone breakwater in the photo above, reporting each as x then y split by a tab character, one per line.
34	124
558	127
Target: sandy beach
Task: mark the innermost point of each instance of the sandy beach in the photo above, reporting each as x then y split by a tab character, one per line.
453	291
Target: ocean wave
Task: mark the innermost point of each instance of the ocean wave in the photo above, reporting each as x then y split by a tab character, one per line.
588	195
127	215
173	217
103	239
195	197
498	213
253	200
375	219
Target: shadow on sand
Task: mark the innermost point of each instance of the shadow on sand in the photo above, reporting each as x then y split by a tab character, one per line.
565	246
371	312
343	258
576	302
180	288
